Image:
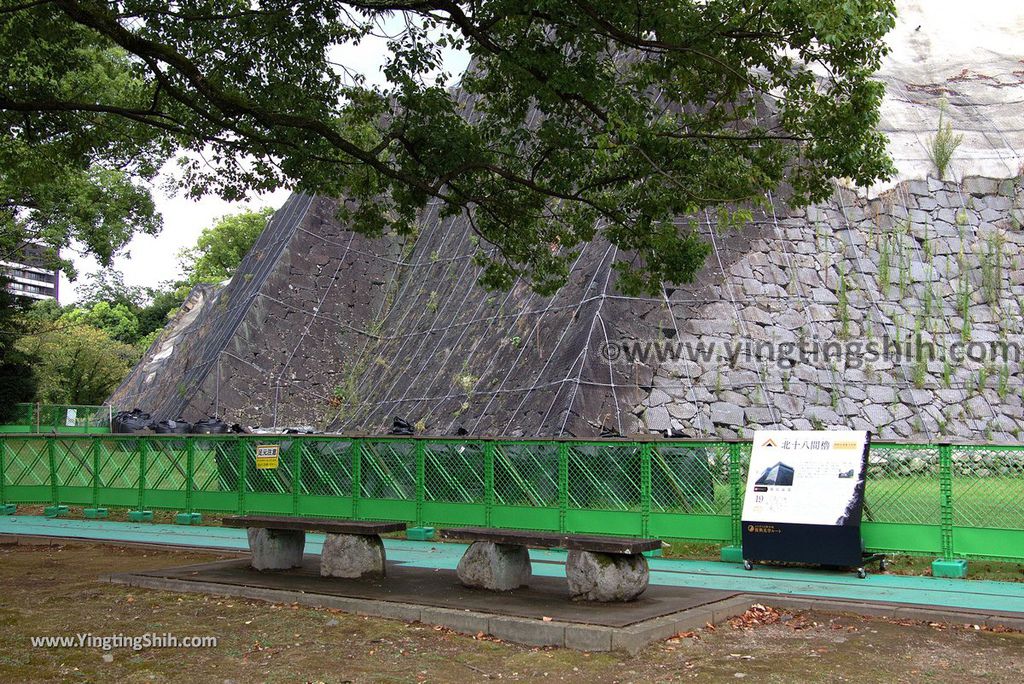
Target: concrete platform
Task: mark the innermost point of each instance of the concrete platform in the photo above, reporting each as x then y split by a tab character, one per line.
540	614
920	598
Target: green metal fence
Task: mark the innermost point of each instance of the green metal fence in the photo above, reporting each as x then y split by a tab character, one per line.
59	418
943	500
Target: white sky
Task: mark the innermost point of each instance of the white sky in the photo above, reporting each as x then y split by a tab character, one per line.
934	40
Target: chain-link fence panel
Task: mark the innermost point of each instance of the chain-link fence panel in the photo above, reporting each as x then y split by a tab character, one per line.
166	464
276	479
526	474
902	485
118	464
604	476
26	462
988	487
326	468
388	470
453	472
74	467
690	479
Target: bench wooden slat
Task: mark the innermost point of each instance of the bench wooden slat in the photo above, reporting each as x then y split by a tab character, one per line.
330	526
546	540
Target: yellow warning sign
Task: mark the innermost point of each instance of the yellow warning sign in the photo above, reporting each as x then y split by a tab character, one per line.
267	456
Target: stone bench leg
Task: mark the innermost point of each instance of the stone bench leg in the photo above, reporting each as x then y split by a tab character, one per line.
352	556
605	576
276	549
498	567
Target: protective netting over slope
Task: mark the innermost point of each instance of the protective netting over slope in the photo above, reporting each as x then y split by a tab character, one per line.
794	321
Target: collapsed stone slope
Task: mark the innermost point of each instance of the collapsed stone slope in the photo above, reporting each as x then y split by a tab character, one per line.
326	328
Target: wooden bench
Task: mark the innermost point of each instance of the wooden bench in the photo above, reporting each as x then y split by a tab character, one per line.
598	568
353	548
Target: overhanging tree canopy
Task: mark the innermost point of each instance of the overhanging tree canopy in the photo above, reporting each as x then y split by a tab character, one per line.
576	119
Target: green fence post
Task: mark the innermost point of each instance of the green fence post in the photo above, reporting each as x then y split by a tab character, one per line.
734	552
96	473
563	485
141	514
947	566
296	475
488	482
3	474
243	470
190	470
51	454
420	476
357	475
645	488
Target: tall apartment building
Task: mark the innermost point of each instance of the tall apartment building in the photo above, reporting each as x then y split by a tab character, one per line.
29	277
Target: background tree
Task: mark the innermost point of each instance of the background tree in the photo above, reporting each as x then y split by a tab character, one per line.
71	177
17	375
76	363
578	120
81	352
221	247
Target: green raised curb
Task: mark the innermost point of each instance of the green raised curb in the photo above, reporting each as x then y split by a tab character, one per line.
188	519
55	511
95	513
8	509
420	533
140	516
732	554
956	567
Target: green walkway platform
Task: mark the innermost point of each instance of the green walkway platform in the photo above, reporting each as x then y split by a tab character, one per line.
977	595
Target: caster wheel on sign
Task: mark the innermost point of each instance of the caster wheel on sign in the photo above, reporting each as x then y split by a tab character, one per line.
747	565
861	573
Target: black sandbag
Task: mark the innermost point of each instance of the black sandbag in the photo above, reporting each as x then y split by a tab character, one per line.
172	427
210	426
402	427
128	422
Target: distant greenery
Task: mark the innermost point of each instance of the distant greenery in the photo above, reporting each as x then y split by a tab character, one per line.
221	247
17	377
81	352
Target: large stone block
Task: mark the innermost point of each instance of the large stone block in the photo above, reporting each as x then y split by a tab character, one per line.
352	556
498	567
276	549
605	576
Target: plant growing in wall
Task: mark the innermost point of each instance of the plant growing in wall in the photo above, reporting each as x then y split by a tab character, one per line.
943	143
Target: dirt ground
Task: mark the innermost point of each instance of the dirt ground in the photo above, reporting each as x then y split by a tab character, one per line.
58	591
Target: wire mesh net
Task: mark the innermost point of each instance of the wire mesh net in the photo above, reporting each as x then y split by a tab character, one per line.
988	487
75	467
26	462
902	485
454	472
692	479
326	468
604	477
118	464
166	464
388	470
526	474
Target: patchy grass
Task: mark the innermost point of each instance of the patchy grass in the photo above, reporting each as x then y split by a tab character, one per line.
58	591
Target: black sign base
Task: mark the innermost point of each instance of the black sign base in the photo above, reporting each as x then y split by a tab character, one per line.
838	545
